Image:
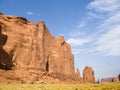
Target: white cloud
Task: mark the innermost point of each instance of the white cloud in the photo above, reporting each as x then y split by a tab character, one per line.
78	42
108	40
104	5
76	51
79	50
109	43
76	33
61	34
81	25
29	13
106	37
93	15
111	21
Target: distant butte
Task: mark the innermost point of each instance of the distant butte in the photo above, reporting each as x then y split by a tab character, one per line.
31	54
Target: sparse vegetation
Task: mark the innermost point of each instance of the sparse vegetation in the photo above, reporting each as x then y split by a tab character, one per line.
12	86
23	82
32	83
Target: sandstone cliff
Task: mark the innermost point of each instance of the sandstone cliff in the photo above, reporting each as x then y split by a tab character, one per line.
88	75
32	53
31	46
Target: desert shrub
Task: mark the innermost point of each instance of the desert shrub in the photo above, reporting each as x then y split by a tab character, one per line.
9	82
32	82
76	88
23	82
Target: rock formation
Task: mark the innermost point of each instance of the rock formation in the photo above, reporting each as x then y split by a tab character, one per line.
119	76
5	60
110	79
32	47
77	74
88	75
115	79
32	52
106	80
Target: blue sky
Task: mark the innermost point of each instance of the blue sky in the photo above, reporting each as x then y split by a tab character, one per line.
92	27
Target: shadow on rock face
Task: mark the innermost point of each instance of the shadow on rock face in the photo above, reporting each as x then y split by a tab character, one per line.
5	60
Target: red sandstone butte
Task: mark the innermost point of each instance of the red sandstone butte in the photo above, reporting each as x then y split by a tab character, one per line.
31	53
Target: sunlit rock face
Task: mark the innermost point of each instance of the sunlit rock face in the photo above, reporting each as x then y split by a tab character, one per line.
88	75
32	47
29	52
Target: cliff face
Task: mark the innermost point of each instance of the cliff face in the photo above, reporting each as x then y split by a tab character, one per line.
30	52
31	47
